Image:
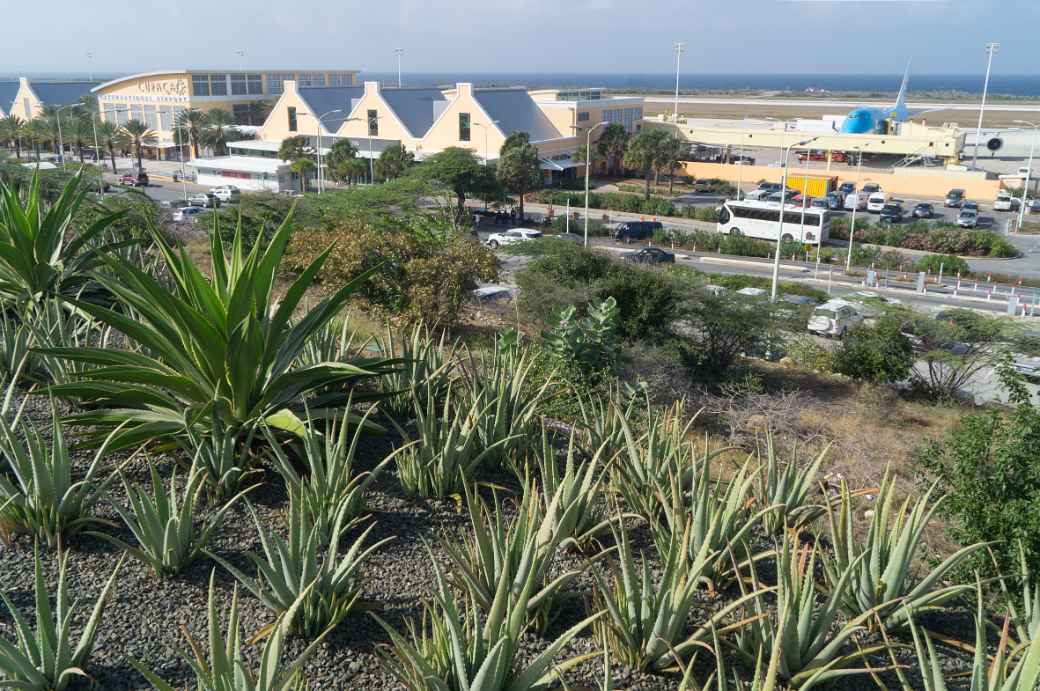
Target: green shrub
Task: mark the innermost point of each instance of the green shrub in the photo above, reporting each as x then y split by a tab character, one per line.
647	300
590	342
878	353
721	327
804	352
951	265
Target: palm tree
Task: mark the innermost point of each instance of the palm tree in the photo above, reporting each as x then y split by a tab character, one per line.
669	154
108	137
612	144
219	129
38	132
81	131
192	121
257	112
136	135
12	129
300	155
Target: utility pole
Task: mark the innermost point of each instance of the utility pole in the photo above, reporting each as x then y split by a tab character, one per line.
399	52
679	48
991	48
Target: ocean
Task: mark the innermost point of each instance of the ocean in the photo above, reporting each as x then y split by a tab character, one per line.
1020	86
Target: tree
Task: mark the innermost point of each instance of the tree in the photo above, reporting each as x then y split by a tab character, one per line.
643	152
192	121
879	353
38	132
136	135
458	170
300	155
394	162
218	129
108	138
81	131
669	156
612	143
339	162
12	131
257	112
519	167
954	350
721	327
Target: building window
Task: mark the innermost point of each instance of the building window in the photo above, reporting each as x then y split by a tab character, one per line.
312	79
165	118
218	84
341	79
238	85
373	123
464	126
583	116
255	84
200	84
292	119
276	81
151	117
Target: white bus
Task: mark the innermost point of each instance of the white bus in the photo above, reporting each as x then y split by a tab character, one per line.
761	220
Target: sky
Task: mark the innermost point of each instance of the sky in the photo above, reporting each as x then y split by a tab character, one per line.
605	36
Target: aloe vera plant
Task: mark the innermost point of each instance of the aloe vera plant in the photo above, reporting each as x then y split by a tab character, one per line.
331	484
883	579
225	667
223	458
646	621
427	368
164	522
290	568
1025	611
514	551
813	644
788	489
601	422
47	658
570	498
222	345
41	497
473	648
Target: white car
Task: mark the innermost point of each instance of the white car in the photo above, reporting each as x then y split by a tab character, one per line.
834	318
877	202
1005	202
968	218
855	201
512	236
227	193
187	213
206	200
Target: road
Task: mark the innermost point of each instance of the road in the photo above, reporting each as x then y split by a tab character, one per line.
841	103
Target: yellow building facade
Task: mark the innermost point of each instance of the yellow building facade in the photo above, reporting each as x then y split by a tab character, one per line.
158	98
31	97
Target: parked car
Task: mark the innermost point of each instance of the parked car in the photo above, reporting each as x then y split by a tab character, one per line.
512	236
855	201
130	180
207	200
968	218
876	202
629	231
187	213
847	188
820	203
650	255
954	198
174	204
891	213
870	188
569	237
834	318
835	201
1034	206
971	206
817	155
789	196
764	190
924	210
227	193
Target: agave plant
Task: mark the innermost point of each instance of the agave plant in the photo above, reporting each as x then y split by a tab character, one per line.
330	343
446	451
883	580
168	533
60	325
38	492
220	346
331	485
427	368
570	499
1025	613
810	638
39	255
788	490
47	658
475	648
713	512
17	358
601	421
644	469
646	622
501	389
515	551
227	669
300	565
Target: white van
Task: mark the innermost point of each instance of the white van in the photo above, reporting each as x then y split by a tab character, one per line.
226	193
877	202
855	201
834	318
1005	202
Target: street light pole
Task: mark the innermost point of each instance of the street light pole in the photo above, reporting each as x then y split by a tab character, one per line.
321	177
588	166
780	222
400	52
61	141
371	163
1029	171
859	193
679	48
991	48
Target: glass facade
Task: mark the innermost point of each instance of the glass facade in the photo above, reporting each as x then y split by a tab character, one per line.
464	127
275	81
341	79
246	85
627	117
312	79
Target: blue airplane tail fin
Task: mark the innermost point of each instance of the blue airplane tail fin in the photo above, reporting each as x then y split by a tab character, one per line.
899	110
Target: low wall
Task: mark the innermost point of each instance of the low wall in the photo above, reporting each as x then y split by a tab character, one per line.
929	183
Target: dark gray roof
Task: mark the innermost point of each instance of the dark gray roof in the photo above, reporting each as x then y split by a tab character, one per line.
322	99
516	111
7	94
61	93
416	108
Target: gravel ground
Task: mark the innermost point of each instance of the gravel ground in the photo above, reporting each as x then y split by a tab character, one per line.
146	614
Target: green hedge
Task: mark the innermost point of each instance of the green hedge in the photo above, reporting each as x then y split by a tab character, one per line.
941	238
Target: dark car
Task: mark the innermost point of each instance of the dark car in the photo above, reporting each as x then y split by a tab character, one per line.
924	210
820	203
891	213
970	206
636	230
650	255
130	180
835	201
954	198
870	188
847	188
